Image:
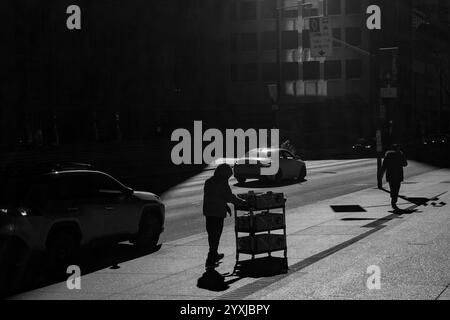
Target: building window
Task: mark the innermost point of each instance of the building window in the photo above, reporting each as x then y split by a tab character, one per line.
249	72
234	72
233	11
310	12
248	10
249	41
337	34
269	71
353	69
269	9
290	39
290	70
290	13
353	36
234	42
352	6
333	69
306	40
269	40
311	70
334	6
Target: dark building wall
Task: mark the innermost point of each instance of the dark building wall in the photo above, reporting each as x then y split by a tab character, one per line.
137	64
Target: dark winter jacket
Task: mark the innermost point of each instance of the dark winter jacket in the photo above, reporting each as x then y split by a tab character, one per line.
217	193
393	164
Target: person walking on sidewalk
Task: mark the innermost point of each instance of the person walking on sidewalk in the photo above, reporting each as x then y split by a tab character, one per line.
217	193
393	164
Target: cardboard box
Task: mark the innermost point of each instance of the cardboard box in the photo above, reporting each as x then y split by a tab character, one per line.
261	243
260	222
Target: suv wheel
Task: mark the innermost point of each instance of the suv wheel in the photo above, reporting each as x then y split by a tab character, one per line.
302	174
62	247
149	231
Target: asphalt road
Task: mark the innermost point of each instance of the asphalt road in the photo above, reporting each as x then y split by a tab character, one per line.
326	179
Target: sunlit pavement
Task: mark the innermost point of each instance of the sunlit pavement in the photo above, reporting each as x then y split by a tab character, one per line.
338	225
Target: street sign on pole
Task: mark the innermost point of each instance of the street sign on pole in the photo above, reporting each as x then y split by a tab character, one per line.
320	33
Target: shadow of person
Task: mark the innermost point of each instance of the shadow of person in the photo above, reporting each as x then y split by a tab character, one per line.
403	211
212	280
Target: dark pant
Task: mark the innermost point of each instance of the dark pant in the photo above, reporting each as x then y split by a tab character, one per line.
394	187
214	227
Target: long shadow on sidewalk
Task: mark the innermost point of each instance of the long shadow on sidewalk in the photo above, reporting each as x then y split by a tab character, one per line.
37	273
374	226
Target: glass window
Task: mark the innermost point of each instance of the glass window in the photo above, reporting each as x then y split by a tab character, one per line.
249	72
311	70
290	71
291	13
353	36
74	187
334	6
106	185
336	33
233	42
286	155
233	10
269	71
306	40
269	40
234	72
269	9
352	6
290	39
248	10
333	69
353	69
249	41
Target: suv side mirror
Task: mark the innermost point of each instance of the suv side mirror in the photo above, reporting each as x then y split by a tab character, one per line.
129	192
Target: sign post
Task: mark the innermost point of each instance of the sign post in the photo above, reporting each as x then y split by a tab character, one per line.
320	33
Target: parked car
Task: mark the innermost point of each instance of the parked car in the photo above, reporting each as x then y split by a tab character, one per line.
249	166
72	205
436	140
364	146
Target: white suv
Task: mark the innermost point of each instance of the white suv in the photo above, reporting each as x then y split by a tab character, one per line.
71	206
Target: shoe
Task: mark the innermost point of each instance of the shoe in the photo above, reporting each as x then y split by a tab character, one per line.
219	257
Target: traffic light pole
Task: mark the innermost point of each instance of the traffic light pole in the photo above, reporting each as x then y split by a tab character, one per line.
375	101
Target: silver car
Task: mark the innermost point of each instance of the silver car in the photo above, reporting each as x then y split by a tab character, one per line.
249	166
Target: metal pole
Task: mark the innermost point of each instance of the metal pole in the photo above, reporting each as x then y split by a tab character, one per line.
375	101
279	52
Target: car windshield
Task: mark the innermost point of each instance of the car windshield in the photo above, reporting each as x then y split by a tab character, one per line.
259	153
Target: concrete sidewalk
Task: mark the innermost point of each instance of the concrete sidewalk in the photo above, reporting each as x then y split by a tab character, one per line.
330	245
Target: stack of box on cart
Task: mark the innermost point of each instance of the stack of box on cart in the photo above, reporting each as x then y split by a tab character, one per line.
256	227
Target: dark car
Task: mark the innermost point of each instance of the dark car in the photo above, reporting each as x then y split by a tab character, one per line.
436	140
364	146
